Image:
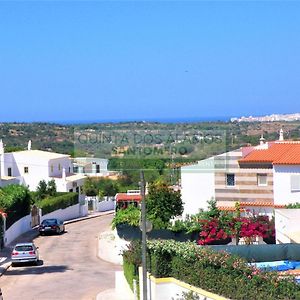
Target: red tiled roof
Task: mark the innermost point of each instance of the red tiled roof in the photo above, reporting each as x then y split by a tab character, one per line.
278	153
243	205
128	197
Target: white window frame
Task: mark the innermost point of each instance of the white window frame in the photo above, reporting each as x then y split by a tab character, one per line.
295	183
259	176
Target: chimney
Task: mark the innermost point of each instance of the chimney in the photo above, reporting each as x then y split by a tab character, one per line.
64	173
281	137
29	145
262	140
1	147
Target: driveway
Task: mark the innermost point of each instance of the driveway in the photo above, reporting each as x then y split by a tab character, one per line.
70	268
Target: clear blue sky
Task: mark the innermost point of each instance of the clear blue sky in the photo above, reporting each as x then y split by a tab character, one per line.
108	60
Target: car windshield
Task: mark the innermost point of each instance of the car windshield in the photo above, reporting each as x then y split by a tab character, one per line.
24	248
49	222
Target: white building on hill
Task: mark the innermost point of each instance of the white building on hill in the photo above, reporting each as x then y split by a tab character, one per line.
29	167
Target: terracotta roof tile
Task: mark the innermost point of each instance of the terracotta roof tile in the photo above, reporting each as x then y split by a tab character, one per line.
278	153
128	197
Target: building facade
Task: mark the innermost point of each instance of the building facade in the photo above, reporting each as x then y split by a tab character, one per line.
29	167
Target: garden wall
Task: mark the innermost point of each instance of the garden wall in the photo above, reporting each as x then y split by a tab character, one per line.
21	226
287	225
171	288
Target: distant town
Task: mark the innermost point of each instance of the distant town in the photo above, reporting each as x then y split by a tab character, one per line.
269	118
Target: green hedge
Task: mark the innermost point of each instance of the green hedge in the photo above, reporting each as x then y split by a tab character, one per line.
131	262
61	201
218	272
15	202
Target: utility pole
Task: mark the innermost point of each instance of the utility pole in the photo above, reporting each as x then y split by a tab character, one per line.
144	237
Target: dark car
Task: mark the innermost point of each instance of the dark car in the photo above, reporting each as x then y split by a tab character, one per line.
51	226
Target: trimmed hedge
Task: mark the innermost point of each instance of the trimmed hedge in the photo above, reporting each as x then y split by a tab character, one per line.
131	262
61	201
15	202
217	272
130	273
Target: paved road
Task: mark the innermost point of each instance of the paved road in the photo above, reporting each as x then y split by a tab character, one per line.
70	269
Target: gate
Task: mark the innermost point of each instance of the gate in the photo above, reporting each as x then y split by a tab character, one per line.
35	216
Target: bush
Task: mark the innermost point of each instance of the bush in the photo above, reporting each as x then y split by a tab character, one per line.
131	262
15	202
61	201
218	272
130	215
163	203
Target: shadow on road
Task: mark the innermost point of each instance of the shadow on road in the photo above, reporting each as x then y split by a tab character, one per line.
36	270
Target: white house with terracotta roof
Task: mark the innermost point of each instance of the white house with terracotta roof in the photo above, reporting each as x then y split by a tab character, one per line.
29	167
261	178
284	160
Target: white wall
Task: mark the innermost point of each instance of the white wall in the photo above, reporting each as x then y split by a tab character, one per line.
63	162
197	185
282	184
170	288
105	205
21	226
71	212
287	224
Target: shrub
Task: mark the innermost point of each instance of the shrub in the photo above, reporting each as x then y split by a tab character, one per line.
218	272
130	215
131	262
163	203
15	202
61	201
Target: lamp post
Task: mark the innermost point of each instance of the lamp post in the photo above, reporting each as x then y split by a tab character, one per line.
144	237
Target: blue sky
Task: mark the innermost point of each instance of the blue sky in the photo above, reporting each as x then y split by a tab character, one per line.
141	60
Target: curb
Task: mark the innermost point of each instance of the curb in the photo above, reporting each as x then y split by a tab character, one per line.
4	268
89	217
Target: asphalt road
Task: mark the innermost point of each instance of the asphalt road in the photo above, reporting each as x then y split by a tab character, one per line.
70	267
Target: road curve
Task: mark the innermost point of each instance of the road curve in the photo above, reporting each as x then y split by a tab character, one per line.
70	269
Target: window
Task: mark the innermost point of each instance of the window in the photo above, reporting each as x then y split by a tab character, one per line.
59	167
70	190
262	180
97	168
26	170
230	180
51	168
9	172
295	183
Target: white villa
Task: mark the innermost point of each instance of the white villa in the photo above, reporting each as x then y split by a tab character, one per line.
91	166
29	167
260	178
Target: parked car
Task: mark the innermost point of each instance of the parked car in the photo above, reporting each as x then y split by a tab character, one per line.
51	226
25	252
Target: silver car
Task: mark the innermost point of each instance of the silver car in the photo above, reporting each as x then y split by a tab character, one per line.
24	252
